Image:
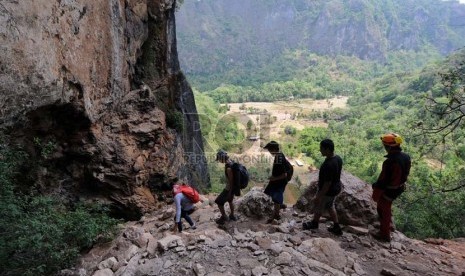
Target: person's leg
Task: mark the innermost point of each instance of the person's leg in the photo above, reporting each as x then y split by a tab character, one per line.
314	223
275	215
384	211
231	207
277	208
385	216
278	198
316	217
222	211
223	217
220	201
185	215
332	209
336	228
317	212
333	215
179	224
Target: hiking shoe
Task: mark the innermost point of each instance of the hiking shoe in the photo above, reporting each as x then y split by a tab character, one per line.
335	229
232	217
221	220
194	226
310	225
379	237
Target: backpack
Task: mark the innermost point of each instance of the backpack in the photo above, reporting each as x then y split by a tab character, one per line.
289	170
243	175
191	193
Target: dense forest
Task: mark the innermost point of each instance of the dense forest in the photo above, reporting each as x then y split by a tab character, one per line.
250	43
409	81
434	205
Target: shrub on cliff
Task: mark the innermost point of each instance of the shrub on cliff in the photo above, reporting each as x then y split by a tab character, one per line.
39	234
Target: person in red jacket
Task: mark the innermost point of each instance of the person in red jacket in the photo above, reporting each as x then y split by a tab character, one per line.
391	182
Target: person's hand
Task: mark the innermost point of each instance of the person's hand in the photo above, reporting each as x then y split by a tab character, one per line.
271	178
377	193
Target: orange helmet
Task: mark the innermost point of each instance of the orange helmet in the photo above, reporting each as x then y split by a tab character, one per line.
391	139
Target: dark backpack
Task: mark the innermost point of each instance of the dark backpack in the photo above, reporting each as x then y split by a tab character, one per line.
289	170
243	175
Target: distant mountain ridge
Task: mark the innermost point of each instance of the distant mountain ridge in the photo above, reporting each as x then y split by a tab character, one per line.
220	35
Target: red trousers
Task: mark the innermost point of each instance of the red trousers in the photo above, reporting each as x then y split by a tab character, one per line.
384	212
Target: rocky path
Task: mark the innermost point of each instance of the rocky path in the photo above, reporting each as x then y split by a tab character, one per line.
249	246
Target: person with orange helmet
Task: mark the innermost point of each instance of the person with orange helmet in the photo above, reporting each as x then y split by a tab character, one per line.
391	182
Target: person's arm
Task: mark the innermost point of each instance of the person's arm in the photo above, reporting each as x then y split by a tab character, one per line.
382	181
396	175
230	180
280	177
280	169
324	177
323	190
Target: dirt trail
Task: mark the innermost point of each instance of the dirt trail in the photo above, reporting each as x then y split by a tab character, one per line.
251	246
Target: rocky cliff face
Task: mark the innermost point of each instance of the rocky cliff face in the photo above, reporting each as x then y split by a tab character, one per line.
92	90
250	34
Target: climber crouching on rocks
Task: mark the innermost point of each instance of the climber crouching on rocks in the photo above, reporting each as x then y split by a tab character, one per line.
184	205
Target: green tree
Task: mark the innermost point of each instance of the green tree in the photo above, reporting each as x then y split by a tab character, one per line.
40	234
249	124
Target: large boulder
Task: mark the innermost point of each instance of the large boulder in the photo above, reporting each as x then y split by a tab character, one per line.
354	204
324	250
256	204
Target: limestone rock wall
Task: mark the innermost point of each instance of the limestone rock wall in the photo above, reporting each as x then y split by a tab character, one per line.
92	90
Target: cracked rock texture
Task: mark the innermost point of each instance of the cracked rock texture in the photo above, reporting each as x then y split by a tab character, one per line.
92	90
250	246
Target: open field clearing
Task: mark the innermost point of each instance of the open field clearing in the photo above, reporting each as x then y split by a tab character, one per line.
268	128
285	108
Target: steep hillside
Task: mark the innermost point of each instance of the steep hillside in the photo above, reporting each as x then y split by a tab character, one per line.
224	37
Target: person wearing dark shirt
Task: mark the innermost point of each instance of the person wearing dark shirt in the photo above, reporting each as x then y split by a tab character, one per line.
329	186
278	179
232	188
390	183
